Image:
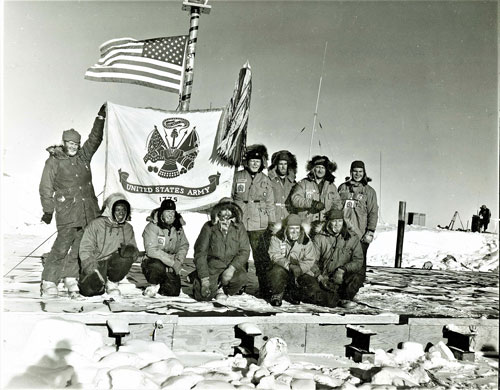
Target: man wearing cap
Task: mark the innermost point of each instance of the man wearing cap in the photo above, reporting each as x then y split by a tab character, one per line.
360	205
282	172
221	253
253	193
166	248
316	194
66	188
340	258
293	258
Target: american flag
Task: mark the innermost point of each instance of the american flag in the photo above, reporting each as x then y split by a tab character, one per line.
156	63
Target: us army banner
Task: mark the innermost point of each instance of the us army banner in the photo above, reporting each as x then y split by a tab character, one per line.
152	155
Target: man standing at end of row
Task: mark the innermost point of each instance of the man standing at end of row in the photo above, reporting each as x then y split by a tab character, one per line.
360	205
66	188
253	193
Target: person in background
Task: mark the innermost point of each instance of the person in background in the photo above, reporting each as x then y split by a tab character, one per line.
66	189
253	193
282	173
484	217
221	254
166	248
360	205
316	194
108	249
340	260
293	257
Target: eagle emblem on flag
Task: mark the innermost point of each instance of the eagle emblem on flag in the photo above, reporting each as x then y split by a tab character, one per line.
176	149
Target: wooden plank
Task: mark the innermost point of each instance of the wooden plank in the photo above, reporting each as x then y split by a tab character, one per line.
204	338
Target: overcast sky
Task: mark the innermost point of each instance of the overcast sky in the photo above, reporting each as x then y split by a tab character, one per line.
413	82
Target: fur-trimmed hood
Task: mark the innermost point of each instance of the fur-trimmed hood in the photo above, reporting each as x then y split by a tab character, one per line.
57	151
331	166
303	236
226	203
284	155
178	220
256	151
109	205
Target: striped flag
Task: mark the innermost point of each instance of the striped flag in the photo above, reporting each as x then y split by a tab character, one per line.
155	63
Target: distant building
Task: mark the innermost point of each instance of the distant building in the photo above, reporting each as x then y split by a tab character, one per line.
415	219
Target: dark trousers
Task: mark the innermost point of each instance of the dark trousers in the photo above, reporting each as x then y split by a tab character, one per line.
351	284
483	224
59	263
364	248
259	242
158	273
115	268
235	285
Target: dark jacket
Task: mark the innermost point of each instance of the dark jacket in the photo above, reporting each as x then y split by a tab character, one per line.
362	212
66	184
214	250
343	251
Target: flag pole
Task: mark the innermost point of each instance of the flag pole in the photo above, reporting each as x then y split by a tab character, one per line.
317	102
195	7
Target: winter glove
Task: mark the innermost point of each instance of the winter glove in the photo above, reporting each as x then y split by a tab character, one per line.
102	111
177	267
338	276
47	218
205	287
316	206
227	275
368	237
295	270
128	251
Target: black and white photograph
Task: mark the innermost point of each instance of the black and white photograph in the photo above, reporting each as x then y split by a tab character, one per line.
243	194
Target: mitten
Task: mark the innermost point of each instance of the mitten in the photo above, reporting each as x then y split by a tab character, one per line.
316	206
368	237
295	269
128	251
205	287
227	275
47	218
338	276
102	111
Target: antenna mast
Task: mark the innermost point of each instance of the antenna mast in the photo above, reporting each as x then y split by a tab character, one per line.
317	101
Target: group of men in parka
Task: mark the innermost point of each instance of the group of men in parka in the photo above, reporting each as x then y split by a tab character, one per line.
309	240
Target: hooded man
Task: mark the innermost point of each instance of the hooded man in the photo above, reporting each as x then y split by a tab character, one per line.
484	217
253	193
107	249
293	257
282	172
360	205
66	188
340	258
221	253
316	194
166	248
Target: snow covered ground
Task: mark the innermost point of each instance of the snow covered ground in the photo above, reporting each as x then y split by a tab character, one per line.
61	353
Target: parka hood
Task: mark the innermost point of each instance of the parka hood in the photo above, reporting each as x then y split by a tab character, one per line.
226	203
303	236
178	220
256	151
57	151
109	204
283	155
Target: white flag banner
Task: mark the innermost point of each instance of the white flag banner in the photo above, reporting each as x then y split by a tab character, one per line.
152	155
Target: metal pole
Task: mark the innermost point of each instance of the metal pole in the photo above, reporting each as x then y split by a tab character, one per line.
191	49
380	191
317	102
401	233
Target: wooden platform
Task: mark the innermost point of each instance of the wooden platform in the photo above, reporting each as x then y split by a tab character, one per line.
398	304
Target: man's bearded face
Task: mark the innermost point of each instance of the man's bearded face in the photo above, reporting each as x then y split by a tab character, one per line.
168	216
71	148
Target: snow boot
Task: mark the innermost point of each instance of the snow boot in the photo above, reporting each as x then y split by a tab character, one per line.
347	304
72	285
151	291
112	288
48	289
276	299
220	295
